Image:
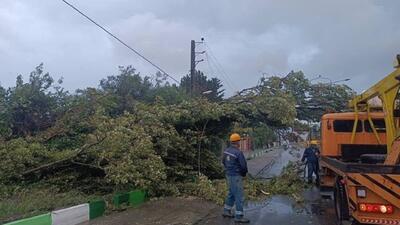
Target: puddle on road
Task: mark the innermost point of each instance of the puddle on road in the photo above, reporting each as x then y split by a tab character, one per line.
279	204
283	206
283	209
276	204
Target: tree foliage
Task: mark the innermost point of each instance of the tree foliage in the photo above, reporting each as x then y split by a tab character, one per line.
263	136
267	103
128	87
326	98
136	131
4	115
127	133
33	106
203	87
312	100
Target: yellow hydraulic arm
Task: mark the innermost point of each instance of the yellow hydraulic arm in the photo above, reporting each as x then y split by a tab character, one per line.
387	90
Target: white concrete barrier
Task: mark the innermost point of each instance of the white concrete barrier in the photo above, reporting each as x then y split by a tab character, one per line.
71	216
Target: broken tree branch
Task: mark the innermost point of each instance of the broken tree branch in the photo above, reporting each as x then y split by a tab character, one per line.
78	151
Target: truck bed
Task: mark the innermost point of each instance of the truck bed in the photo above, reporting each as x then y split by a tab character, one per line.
351	167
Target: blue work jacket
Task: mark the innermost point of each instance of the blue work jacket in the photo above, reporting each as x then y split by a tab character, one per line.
311	154
234	162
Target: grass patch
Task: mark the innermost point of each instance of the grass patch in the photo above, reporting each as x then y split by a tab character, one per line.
17	203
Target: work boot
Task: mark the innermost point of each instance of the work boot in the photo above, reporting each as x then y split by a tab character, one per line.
241	219
227	213
309	182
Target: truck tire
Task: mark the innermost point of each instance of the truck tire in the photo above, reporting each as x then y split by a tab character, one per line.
341	204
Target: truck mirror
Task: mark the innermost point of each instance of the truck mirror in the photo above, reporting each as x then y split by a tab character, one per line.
397	61
328	125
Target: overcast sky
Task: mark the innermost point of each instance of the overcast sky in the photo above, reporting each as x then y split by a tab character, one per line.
339	39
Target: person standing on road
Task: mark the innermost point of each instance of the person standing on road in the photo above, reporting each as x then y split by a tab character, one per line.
311	154
235	169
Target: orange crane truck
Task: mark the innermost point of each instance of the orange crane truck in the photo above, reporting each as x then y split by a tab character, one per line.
360	155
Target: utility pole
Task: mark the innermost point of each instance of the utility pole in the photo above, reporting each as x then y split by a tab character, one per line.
193	63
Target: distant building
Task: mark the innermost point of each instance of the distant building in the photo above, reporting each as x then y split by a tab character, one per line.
246	144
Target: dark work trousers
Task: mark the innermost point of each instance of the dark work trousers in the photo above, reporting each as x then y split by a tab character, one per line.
313	167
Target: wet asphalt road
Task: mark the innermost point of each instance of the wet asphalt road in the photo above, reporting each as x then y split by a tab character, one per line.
275	210
281	210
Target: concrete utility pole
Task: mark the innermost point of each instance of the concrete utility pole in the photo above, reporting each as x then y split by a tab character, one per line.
193	64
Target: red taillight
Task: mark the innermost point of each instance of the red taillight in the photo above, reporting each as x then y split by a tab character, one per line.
389	209
375	208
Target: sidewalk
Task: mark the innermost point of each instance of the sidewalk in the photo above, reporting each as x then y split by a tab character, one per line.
168	211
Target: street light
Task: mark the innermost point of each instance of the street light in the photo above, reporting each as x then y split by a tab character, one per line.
344	80
331	82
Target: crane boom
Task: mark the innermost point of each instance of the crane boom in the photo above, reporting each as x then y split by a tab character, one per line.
387	90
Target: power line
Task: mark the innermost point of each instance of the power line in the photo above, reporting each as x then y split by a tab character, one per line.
225	77
119	40
216	73
220	68
210	69
211	62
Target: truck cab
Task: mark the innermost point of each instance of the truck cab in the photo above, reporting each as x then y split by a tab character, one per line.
337	139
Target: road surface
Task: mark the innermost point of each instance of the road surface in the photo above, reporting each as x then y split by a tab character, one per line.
281	209
182	211
275	210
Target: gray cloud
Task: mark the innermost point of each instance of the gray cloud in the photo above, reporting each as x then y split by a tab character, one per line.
337	39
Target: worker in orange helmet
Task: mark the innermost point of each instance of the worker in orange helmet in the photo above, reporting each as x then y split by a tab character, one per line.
311	155
235	169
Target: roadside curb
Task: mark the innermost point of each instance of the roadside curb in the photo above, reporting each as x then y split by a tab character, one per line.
84	212
259	153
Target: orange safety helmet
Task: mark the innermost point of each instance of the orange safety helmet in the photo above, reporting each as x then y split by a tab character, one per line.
234	137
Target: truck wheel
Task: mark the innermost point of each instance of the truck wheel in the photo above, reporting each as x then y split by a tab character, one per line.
341	204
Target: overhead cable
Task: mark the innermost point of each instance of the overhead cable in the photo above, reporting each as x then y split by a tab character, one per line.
120	41
220	68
